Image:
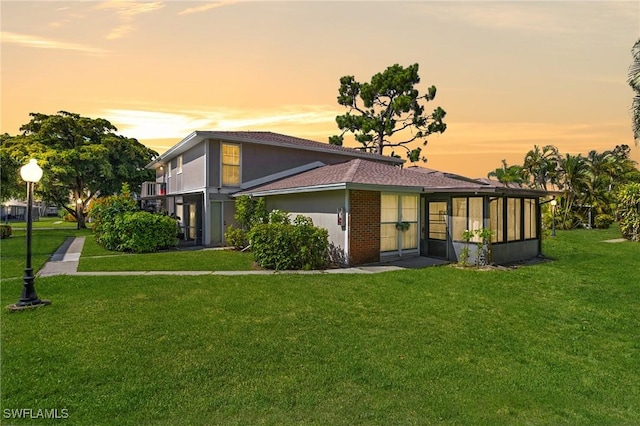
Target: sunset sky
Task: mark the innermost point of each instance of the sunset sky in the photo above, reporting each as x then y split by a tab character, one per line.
510	75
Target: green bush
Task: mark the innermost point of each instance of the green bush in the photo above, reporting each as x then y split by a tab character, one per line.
281	245
104	212
5	231
628	198
236	237
250	211
139	232
603	221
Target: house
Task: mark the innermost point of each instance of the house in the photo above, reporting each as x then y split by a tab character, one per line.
14	209
373	208
196	178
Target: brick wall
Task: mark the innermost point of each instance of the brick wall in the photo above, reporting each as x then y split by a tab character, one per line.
364	227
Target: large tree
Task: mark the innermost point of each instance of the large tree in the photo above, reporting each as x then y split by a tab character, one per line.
387	112
634	82
82	158
10	184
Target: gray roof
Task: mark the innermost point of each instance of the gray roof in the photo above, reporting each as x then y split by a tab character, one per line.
360	173
266	138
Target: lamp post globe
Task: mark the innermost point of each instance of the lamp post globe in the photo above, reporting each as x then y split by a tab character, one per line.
31	173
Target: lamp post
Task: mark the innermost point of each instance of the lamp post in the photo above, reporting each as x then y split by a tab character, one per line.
30	173
553	215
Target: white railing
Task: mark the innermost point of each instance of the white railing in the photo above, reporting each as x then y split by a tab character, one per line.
153	189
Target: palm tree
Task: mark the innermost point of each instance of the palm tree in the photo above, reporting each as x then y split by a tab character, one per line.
634	82
602	170
541	166
508	174
573	177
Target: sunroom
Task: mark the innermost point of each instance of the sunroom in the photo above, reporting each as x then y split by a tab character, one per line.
511	215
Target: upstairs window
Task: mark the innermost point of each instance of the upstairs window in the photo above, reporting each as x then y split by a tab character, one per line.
179	166
230	165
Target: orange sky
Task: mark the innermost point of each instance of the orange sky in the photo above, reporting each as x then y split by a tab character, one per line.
509	74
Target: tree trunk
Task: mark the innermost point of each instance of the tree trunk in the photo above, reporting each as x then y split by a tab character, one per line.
80	217
380	144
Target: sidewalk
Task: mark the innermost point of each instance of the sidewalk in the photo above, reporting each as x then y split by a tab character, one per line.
66	259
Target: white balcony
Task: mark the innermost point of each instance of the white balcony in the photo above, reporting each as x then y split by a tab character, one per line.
153	190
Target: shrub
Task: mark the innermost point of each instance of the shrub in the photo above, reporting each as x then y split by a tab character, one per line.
139	232
236	237
5	231
250	211
104	211
281	245
603	221
628	198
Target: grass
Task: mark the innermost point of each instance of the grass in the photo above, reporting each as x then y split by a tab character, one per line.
44	242
95	258
552	343
45	222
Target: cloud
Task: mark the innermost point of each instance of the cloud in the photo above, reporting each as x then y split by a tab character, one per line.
510	138
145	124
126	11
546	17
207	6
42	43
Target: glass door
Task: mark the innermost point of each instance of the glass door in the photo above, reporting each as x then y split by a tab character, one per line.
437	229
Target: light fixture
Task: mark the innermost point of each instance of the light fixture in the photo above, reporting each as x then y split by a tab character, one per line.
31	173
553	217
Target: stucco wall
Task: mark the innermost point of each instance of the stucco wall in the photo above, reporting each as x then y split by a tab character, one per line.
193	172
321	207
502	253
263	160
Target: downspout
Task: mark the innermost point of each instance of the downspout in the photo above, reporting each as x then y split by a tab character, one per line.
206	220
347	225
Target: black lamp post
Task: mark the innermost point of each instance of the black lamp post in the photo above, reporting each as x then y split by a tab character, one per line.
553	215
30	173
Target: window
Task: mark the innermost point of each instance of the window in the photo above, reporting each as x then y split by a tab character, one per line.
467	215
179	166
230	165
476	218
496	219
409	213
388	219
514	218
458	217
398	208
530	225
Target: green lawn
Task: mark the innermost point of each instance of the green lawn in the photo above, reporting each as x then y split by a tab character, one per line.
552	343
95	258
43	243
45	222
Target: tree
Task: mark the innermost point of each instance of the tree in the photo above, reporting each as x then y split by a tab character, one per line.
541	166
385	107
634	82
10	184
82	158
508	174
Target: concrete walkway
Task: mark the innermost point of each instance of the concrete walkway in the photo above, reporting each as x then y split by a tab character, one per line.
66	259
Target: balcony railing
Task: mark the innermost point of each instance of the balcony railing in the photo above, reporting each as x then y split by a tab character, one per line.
153	190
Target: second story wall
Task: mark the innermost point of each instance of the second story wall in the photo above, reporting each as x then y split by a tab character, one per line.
186	171
257	161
